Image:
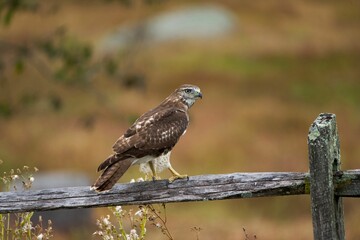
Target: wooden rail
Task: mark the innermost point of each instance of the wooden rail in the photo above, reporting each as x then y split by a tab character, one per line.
197	188
325	182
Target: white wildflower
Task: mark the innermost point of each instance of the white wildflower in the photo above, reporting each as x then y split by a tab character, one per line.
118	209
31	179
133	234
106	221
140	179
158	225
98	223
27	227
132	180
13	177
40	236
108	237
100	233
139	213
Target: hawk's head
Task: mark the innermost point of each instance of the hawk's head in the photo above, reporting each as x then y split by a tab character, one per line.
188	94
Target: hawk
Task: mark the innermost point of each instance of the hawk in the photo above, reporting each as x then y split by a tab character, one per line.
150	139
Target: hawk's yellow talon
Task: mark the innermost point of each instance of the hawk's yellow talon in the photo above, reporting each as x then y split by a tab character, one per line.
174	177
147	177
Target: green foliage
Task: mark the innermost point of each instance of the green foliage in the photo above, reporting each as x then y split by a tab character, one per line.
5	109
72	55
8	8
58	57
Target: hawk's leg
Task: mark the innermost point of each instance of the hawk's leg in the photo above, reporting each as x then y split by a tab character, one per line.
176	175
154	175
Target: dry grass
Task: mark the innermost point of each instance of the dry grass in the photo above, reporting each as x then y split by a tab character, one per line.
263	86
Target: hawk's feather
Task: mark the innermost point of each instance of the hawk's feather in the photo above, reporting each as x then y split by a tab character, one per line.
152	135
149	135
159	131
111	174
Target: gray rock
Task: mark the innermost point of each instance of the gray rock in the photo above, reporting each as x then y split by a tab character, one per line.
57	179
196	22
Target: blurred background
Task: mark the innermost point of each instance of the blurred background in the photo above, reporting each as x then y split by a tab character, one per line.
75	74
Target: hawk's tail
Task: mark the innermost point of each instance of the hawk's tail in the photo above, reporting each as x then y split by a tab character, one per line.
112	173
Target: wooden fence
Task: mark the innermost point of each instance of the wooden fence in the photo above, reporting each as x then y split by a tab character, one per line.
325	183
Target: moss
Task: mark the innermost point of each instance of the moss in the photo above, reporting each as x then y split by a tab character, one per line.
343	180
246	195
339	182
314	133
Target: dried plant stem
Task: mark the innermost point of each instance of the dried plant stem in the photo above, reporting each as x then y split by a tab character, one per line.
165	229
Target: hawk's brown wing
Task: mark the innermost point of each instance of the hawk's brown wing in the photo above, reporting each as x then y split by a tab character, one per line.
152	134
123	143
162	130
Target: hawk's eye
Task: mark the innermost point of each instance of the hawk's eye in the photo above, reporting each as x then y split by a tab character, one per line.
188	90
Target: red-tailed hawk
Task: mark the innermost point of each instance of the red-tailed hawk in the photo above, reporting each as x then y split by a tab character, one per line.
150	139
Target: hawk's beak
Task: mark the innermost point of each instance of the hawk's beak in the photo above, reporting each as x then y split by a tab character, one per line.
199	95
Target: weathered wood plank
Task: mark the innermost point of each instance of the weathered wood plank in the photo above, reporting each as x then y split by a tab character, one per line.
347	184
324	156
197	188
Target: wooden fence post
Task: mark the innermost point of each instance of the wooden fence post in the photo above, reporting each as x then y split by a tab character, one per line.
324	157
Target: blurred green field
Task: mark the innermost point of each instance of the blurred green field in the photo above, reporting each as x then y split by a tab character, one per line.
263	86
